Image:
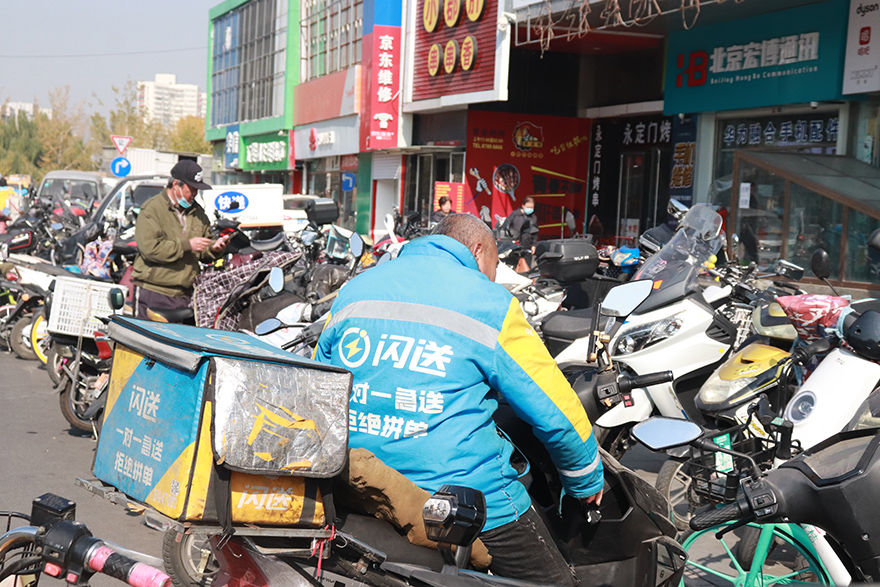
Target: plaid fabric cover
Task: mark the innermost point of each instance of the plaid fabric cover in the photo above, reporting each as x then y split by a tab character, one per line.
212	288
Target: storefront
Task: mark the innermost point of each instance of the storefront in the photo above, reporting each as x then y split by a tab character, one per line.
636	165
328	151
770	90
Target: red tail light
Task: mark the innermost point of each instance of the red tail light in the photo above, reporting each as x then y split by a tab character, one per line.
105	351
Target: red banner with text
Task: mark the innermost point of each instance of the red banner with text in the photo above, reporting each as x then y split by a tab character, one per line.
511	156
379	123
453	190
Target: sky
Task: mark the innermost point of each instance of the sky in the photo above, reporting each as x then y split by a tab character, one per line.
93	45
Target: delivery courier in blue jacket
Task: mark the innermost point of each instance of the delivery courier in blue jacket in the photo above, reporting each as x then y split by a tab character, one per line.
432	342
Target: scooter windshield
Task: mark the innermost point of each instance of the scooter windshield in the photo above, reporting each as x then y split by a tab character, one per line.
680	260
868	414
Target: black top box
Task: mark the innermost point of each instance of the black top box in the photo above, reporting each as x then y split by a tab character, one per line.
567	260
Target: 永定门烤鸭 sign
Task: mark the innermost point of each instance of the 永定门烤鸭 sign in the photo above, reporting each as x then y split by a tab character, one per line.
778	58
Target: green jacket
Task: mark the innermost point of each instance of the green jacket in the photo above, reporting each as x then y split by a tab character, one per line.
165	262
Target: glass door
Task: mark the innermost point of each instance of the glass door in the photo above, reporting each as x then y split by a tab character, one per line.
638	207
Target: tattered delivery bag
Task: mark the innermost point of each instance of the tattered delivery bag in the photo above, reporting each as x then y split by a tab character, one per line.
214	426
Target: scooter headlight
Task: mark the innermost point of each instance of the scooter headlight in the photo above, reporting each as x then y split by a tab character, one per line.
800	407
641	336
717	390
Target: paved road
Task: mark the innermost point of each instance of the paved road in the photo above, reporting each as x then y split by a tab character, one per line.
43	455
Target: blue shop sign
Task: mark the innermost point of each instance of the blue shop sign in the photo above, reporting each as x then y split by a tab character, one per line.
231	150
772	59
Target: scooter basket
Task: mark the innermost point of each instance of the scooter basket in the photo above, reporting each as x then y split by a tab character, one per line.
77	305
716	475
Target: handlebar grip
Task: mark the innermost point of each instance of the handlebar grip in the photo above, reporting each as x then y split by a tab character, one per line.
104	559
725	513
652	379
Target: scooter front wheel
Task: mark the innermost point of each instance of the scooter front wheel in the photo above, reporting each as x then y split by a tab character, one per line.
20	339
72	408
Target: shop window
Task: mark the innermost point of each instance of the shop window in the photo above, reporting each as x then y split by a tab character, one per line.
814	221
248	62
862	263
761	208
331	36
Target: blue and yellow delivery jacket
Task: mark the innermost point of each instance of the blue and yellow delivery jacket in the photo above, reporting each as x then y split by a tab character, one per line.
198	419
434	345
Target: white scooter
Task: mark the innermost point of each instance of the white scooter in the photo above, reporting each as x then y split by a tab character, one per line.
679	327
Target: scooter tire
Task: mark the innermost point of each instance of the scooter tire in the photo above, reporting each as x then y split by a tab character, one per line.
671	472
20	341
177	555
39	336
54	365
68	410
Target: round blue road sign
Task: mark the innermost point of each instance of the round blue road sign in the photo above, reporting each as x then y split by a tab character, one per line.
120	167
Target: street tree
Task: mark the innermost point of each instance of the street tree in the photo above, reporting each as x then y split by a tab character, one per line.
61	134
189	135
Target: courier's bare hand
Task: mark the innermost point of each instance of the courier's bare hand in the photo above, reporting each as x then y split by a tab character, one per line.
199	243
220	243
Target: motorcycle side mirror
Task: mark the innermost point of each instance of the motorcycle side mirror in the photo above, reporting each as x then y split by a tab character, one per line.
356	245
308	237
874	240
820	263
788	270
623	299
115	298
276	280
455	515
570	221
659	433
268	326
485	215
676	208
734	240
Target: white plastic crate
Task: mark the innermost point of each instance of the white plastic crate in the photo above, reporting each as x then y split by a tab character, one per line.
77	304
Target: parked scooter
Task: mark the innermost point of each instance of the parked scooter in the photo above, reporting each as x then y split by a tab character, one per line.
829	488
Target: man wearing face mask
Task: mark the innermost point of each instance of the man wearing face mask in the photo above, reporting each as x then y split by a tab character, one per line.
523	226
172	234
433	345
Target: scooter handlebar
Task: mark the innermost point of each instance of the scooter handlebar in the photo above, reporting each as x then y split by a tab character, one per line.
714	517
104	559
651	379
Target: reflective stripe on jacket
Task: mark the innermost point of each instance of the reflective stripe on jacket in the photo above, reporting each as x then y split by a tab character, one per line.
432	342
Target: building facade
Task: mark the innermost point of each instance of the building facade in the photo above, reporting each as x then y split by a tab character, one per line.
166	101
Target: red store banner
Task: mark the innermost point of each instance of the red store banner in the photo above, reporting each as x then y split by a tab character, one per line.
511	156
379	124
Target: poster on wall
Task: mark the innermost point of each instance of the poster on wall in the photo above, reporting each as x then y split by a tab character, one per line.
455	191
511	156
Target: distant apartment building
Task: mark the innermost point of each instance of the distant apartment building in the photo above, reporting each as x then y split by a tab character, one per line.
166	101
11	109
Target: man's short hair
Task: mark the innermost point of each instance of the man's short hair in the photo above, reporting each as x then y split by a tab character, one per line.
442	200
466	229
528	200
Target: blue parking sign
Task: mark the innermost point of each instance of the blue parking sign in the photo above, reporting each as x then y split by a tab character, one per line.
120	167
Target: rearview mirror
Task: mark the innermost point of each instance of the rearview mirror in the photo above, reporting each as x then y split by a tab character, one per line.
485	215
676	208
115	298
623	299
660	433
820	263
276	279
570	222
356	245
788	270
267	326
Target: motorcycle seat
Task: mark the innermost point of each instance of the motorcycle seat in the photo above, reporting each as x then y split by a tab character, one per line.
176	315
269	244
382	536
570	325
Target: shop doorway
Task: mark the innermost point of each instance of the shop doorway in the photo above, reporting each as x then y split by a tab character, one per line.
638	205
